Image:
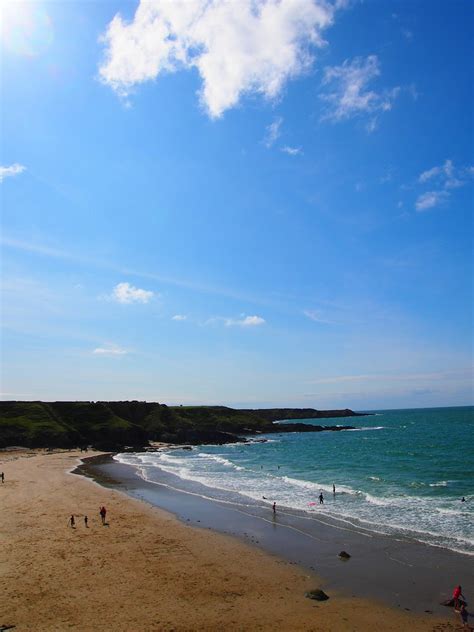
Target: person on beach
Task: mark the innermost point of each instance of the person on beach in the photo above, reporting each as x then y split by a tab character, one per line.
3	477
274	509
103	513
457	595
72	521
333	489
321	498
85	521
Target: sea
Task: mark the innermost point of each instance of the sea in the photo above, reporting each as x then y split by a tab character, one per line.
401	473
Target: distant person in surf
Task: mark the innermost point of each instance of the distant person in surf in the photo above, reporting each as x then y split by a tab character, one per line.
333	489
321	498
274	509
103	513
463	500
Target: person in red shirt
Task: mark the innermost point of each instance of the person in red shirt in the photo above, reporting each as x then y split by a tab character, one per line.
103	513
457	594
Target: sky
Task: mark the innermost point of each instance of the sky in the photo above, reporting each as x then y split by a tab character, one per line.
249	203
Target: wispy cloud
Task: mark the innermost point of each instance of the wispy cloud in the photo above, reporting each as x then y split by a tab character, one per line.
292	151
455	374
316	316
12	170
126	293
446	177
188	284
347	94
445	170
110	350
273	132
250	46
179	317
430	199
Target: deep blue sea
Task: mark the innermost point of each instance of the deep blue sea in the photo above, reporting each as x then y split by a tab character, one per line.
401	473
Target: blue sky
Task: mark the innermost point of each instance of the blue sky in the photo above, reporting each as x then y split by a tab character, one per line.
253	204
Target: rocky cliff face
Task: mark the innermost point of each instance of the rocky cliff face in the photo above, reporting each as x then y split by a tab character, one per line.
112	425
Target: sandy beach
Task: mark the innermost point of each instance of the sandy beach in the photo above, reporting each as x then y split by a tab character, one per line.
145	570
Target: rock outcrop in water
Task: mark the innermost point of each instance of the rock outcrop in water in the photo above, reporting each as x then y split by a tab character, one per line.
113	425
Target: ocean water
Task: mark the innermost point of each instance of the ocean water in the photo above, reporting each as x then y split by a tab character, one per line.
401	473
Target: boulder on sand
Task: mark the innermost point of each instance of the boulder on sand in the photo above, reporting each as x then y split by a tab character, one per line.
318	595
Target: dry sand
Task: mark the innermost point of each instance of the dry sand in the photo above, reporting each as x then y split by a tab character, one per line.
146	570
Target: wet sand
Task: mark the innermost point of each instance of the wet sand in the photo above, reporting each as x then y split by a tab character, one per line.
145	570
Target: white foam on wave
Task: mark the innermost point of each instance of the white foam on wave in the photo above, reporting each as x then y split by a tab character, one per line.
439	484
219	459
314	486
364	428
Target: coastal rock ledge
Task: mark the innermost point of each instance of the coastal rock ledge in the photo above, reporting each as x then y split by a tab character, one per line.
112	426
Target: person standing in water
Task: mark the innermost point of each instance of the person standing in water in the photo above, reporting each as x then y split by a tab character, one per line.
321	498
333	489
274	509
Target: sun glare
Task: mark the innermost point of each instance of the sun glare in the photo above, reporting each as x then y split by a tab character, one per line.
25	27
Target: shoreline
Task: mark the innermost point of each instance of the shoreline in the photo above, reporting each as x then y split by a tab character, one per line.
146	570
403	574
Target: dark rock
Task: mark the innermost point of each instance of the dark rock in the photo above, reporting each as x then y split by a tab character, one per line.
344	555
318	595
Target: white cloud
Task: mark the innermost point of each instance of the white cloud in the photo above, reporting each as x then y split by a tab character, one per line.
249	46
179	317
12	170
110	350
126	293
246	321
347	94
273	132
445	170
446	177
292	151
430	199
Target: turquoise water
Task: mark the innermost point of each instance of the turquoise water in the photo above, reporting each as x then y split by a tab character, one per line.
401	472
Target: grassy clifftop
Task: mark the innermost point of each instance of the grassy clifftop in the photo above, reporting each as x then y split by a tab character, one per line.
110	425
